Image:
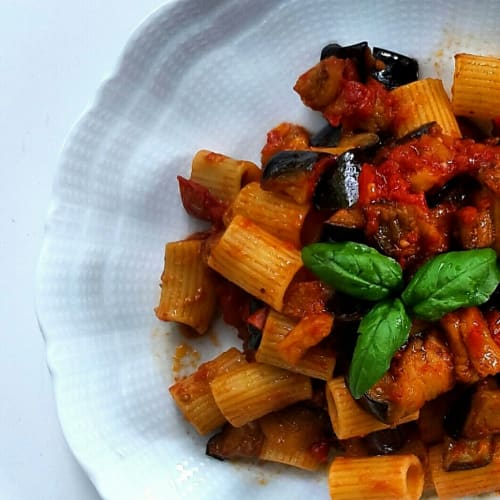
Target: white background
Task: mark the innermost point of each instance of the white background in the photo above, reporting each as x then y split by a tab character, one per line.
53	56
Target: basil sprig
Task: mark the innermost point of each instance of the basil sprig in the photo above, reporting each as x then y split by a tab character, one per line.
445	283
452	280
354	268
383	330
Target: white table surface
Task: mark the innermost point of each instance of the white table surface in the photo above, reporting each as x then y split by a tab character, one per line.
53	56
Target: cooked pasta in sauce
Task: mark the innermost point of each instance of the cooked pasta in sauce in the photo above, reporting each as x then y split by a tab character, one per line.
357	265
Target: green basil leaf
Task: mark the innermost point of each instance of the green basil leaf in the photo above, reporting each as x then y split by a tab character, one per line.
452	280
354	268
381	333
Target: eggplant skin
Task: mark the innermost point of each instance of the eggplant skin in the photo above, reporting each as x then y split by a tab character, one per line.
359	53
289	162
379	409
338	186
384	441
295	173
398	69
328	136
232	442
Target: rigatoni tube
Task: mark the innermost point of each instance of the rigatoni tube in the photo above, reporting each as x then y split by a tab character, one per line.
476	86
397	477
422	102
194	397
187	289
222	175
253	390
256	261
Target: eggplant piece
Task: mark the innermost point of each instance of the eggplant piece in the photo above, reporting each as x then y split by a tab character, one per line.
465	454
346	224
419	372
236	442
359	53
457	191
294	173
384	441
338	186
328	136
484	415
455	418
397	69
254	333
380	409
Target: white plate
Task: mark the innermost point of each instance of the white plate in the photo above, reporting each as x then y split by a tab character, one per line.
214	74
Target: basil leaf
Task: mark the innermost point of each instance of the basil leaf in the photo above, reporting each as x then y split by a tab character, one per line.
381	333
354	268
452	280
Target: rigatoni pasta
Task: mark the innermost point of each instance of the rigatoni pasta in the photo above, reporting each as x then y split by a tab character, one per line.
273	212
348	418
253	390
460	483
476	86
187	288
256	261
194	397
422	102
222	175
397	477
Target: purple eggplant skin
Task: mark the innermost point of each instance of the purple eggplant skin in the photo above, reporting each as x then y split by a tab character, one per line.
338	186
424	129
328	136
288	162
379	409
359	53
384	441
399	69
458	191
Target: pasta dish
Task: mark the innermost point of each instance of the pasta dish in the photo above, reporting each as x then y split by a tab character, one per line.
358	266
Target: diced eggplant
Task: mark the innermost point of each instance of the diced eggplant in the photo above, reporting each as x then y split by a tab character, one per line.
346	224
484	416
384	441
236	442
359	53
397	69
457	191
294	173
420	372
454	419
465	454
328	136
288	163
338	186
